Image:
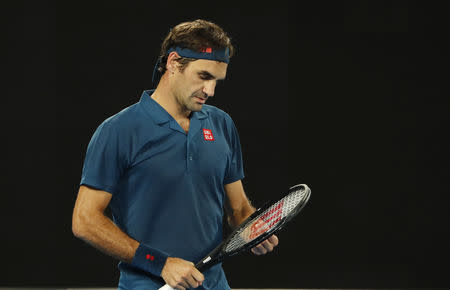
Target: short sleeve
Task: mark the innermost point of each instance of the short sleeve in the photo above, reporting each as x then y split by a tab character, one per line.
104	162
235	170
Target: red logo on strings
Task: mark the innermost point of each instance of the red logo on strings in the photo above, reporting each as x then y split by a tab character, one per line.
208	135
150	257
267	221
207	50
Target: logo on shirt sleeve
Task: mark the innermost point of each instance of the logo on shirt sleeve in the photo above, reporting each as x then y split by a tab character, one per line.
208	135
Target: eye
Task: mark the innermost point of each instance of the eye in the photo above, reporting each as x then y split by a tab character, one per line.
205	77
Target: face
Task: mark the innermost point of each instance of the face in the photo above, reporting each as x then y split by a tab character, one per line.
197	83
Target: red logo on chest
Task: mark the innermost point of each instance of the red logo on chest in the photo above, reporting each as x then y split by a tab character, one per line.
208	135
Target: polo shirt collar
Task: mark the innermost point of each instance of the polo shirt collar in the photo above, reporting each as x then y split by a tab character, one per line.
159	114
200	114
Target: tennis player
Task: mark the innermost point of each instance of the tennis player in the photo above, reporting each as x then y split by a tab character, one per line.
168	167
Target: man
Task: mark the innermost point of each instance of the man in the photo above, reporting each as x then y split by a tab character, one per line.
167	166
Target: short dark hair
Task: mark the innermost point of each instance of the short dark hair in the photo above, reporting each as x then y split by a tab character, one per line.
195	35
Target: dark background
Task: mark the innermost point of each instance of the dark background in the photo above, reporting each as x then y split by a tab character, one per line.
349	97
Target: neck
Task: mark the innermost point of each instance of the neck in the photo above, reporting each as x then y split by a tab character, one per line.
166	99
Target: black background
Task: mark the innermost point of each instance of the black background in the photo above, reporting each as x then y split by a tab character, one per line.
349	97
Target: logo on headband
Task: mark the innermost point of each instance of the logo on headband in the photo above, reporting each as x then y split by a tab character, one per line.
222	55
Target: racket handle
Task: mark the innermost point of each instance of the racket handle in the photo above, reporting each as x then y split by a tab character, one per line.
166	287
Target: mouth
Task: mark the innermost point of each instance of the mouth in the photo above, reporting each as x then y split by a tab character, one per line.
200	100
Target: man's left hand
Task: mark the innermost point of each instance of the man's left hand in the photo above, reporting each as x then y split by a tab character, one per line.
266	246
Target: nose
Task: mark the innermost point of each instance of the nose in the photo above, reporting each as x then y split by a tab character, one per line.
208	88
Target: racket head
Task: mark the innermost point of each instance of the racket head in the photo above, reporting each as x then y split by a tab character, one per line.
293	201
266	221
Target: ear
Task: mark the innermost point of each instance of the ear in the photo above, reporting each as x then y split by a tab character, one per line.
172	64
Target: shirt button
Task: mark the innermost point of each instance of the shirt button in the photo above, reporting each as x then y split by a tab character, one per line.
190	158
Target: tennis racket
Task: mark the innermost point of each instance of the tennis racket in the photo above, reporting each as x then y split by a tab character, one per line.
263	223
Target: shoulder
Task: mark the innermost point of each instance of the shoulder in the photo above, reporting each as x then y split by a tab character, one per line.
121	123
123	119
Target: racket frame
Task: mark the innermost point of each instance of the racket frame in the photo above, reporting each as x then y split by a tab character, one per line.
218	254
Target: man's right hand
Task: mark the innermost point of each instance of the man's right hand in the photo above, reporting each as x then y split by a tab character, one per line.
181	274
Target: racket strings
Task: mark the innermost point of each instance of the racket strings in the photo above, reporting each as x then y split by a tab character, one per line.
267	219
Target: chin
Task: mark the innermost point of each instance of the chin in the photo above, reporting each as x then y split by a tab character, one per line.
197	108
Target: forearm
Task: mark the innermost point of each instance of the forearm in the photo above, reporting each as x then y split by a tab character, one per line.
237	216
100	232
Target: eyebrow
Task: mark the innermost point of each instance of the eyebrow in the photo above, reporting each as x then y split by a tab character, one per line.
209	75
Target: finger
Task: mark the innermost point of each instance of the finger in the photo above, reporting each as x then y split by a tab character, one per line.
182	285
192	282
259	250
267	245
198	276
174	284
255	251
273	240
179	287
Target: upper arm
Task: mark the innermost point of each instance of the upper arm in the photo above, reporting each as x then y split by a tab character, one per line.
89	202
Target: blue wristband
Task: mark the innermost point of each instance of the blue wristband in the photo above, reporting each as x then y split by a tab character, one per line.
149	260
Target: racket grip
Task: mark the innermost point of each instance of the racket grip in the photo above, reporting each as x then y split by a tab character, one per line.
166	287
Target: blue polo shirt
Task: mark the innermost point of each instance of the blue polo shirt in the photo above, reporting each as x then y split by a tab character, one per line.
167	186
